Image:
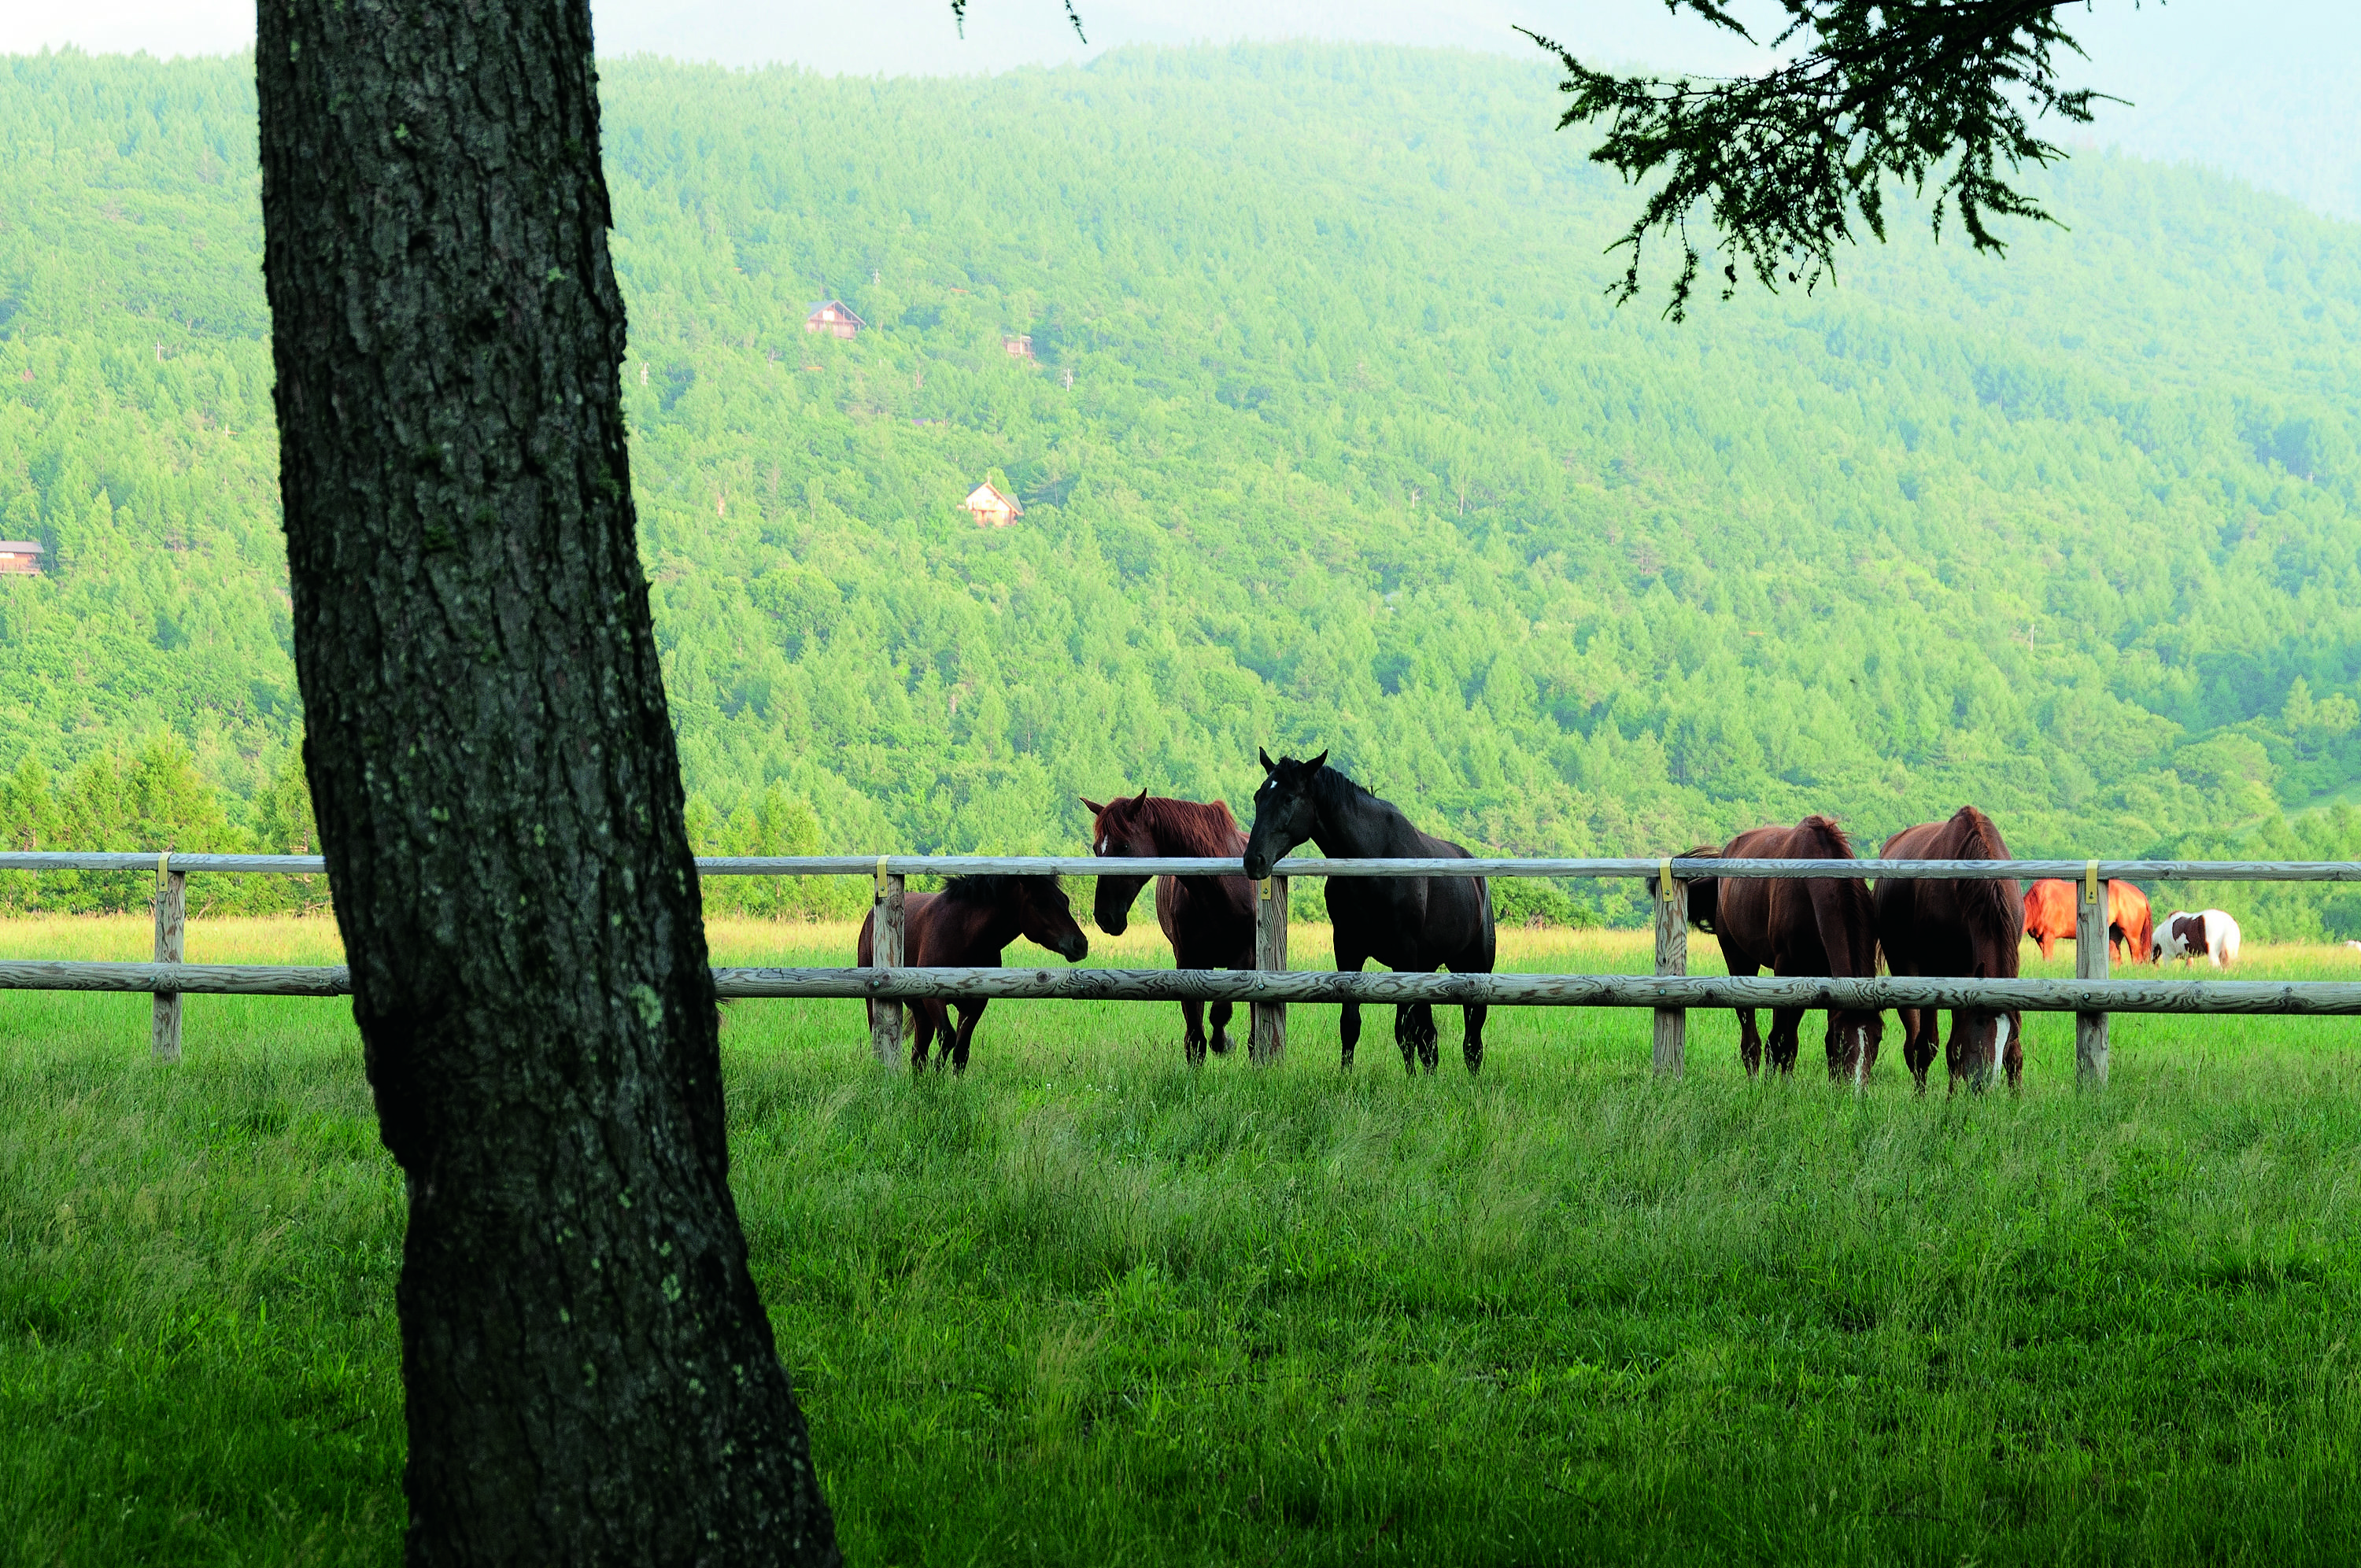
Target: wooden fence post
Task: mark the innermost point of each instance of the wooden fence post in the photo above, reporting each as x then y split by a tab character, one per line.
171	948
1267	1038
2091	964
1672	958
886	952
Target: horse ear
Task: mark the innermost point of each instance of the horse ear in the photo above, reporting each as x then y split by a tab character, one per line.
1142	795
1094	805
1316	764
1268	765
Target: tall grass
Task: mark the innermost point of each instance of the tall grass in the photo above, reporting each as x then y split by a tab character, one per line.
1086	1305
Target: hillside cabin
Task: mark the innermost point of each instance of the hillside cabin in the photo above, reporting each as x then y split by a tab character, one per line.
20	558
834	317
1019	346
992	508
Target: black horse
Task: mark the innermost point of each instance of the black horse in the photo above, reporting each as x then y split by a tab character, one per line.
1413	923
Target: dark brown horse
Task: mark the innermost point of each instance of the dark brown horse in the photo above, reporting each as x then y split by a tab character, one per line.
1954	927
1209	920
1817	926
966	925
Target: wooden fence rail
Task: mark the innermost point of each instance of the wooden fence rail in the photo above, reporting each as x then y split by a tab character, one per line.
1085	865
2310	997
2090	996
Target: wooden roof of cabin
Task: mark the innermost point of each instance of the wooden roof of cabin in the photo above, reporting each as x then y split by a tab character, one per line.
987	493
845	310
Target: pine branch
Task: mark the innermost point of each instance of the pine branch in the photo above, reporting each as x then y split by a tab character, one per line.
1789	161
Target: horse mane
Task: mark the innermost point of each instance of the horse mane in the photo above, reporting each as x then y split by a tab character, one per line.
1822	833
1819	837
984	889
1335	789
1996	917
1184	827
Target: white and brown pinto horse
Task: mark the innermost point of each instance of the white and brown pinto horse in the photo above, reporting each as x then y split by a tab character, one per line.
2209	933
1802	925
1963	927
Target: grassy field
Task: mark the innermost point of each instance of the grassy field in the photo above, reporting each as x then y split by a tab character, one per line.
1085	1306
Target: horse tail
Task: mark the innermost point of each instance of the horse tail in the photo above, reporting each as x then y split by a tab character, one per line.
1841	905
1991	906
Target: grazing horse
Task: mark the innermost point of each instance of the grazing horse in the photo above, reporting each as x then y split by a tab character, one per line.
1209	920
1413	923
1970	928
2209	933
2049	918
1816	925
965	927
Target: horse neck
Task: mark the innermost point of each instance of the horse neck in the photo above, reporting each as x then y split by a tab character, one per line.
1349	823
1187	828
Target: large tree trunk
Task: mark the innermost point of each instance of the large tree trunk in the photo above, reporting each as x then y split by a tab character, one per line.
590	1376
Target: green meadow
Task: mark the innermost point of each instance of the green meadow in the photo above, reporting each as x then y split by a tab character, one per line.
1086	1306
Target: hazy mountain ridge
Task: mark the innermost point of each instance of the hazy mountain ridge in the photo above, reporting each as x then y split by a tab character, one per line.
1353	456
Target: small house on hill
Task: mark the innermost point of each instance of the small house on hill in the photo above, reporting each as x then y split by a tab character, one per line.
834	317
19	557
992	508
1018	345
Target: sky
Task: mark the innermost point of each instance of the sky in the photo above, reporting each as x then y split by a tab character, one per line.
2259	87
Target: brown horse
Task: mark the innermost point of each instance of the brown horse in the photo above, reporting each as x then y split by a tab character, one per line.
966	925
2131	924
1209	920
1968	929
1817	926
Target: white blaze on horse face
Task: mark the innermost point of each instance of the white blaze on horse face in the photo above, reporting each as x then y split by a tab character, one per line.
1859	1057
2000	1042
1102	849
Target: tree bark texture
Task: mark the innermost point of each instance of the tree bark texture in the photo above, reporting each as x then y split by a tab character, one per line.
589	1373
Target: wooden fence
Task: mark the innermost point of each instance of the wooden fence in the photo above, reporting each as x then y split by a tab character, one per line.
2090	996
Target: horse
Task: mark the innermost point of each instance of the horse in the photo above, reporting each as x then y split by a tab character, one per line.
1955	927
1209	920
2209	933
1413	923
1816	925
966	925
2049	918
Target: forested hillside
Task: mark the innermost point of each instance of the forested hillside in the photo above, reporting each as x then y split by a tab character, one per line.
1327	440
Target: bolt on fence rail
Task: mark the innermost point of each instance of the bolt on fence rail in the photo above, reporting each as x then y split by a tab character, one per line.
885	985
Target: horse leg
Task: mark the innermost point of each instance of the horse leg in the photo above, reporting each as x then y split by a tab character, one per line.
1220	1013
1786	1024
1348	1015
1429	1038
922	1034
1193	1033
969	1017
1405	1037
1918	1031
1472	1043
1750	1041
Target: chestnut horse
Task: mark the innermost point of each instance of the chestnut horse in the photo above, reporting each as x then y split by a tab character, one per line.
1955	927
965	927
1209	920
1817	926
2131	926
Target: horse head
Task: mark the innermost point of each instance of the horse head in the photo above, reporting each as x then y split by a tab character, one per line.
1704	893
1044	917
1284	811
1119	829
1980	1036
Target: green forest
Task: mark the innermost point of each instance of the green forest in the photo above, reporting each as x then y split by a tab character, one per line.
1328	438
